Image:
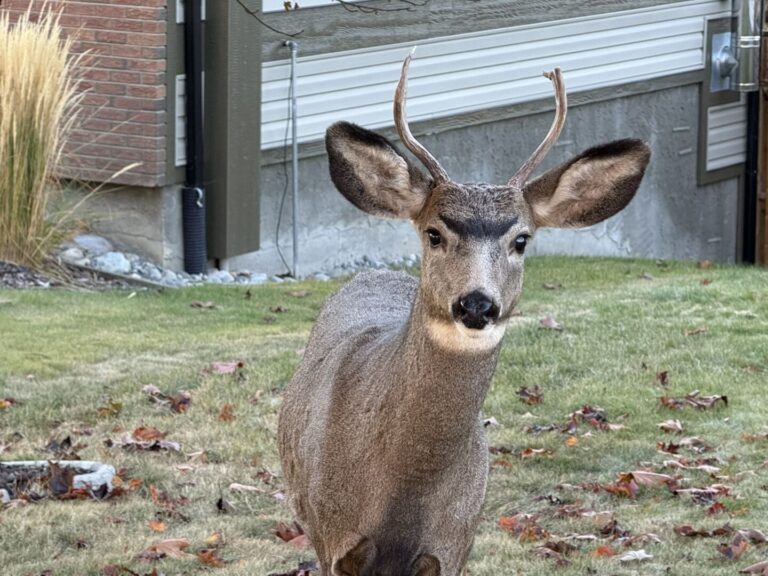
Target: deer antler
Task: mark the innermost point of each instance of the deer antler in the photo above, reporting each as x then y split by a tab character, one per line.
401	123
561	103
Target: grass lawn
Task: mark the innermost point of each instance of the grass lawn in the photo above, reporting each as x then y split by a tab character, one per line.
63	355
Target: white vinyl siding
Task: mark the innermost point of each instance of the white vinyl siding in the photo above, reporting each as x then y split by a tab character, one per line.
180	117
726	135
466	73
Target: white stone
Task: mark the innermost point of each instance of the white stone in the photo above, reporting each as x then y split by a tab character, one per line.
93	244
258	278
322	277
220	277
112	262
72	255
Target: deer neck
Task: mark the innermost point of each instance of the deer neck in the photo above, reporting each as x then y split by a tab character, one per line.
437	395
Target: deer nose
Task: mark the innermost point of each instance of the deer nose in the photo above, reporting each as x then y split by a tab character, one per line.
475	310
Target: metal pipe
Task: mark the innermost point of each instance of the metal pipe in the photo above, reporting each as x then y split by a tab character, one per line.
193	192
294	47
748	17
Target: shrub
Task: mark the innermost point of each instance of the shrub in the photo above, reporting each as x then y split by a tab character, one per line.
37	108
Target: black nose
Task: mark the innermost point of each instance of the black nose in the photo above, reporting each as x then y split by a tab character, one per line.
475	310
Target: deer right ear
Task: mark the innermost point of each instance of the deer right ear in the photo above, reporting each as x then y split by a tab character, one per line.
355	560
370	172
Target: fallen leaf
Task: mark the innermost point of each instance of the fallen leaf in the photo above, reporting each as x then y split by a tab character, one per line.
704	264
147	434
172	548
530	396
635	556
674	426
7	402
298	293
716	508
549	323
693	399
215	540
210	558
705	281
735	549
278	309
552	286
227	413
571	441
604	551
111	408
177	403
524	526
663	377
157	526
531	452
293	535
60	479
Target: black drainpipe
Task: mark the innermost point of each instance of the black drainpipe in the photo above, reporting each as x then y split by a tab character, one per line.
749	218
193	193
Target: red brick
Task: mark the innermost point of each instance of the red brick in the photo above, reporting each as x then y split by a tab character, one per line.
154	92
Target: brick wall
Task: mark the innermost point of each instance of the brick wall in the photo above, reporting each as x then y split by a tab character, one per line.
123	118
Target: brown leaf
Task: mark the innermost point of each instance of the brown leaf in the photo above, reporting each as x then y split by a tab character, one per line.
147	434
549	323
164	500
716	508
552	286
60	479
571	441
704	264
177	403
604	551
546	552
278	309
157	526
215	540
735	549
705	281
524	526
172	548
531	452
530	396
210	557
111	408
693	399
6	403
227	413
293	535
663	377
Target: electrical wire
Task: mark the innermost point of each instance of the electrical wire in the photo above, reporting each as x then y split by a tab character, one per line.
288	122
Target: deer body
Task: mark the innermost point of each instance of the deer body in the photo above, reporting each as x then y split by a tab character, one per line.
380	437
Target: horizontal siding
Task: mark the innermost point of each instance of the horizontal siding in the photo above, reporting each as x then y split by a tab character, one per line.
466	73
726	135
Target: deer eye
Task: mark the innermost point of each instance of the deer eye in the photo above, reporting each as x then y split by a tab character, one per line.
434	237
520	243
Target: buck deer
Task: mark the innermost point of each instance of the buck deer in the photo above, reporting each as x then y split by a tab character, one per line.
381	442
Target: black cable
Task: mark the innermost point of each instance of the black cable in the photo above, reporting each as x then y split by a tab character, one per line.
285	177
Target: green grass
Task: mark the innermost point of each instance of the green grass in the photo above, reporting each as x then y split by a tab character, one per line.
64	354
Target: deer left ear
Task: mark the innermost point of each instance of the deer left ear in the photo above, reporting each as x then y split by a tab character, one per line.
591	187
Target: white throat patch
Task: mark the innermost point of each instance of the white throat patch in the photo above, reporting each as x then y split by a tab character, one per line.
455	336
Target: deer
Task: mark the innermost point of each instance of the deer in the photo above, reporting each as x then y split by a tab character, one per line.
381	441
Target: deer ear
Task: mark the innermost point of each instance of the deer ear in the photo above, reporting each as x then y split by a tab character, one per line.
426	565
354	560
591	187
370	172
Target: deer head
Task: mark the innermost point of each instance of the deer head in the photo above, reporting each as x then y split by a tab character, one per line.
474	235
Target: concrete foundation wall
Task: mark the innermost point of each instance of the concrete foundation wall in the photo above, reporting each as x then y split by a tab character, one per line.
671	217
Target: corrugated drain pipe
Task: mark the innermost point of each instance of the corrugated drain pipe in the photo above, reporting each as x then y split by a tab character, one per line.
193	193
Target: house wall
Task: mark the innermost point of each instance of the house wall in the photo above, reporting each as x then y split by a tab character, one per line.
671	216
123	118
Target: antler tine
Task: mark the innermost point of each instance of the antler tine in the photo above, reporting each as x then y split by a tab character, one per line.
401	123
561	103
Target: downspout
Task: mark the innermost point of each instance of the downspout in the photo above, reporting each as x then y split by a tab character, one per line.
193	192
750	214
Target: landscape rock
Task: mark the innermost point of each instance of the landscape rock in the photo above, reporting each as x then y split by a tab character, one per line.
72	255
220	277
113	262
93	244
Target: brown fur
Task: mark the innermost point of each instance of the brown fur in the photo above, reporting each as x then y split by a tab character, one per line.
383	450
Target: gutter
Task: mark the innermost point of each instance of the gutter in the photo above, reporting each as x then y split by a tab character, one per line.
193	192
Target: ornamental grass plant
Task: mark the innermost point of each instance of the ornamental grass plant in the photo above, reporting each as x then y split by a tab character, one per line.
38	103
